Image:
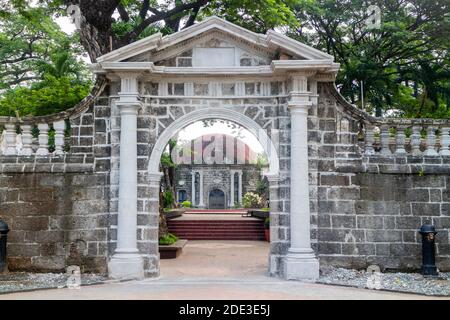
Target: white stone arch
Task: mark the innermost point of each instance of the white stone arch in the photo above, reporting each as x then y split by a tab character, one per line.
215	113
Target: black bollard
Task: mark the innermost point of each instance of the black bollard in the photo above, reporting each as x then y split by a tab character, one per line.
428	233
3	239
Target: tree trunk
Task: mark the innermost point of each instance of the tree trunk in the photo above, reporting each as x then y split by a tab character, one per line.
162	229
95	25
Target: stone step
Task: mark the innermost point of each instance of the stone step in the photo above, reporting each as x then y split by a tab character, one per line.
217	229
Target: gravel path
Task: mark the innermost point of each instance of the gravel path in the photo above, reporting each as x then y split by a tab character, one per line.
24	281
401	282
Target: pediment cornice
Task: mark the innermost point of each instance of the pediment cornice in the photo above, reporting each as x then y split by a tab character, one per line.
268	43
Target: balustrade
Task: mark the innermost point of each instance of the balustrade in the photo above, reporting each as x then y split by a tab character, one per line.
409	137
25	139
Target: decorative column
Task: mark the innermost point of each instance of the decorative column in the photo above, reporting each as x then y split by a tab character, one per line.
240	187
232	189
300	262
201	204
127	263
193	188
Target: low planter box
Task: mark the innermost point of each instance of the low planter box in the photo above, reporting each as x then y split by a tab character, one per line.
172	251
174	213
259	213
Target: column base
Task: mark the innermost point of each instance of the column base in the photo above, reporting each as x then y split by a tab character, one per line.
301	265
126	266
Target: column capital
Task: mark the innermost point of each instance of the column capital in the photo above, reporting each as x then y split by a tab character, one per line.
299	108
128	107
273	178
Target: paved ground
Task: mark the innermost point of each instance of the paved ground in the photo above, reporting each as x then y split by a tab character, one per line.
214	270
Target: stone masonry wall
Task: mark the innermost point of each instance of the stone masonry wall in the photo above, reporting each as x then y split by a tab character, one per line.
57	207
369	209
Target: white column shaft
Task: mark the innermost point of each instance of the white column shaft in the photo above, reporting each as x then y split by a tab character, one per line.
201	202
193	188
127	218
232	189
300	215
240	187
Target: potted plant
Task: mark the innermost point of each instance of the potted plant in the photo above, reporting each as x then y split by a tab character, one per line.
267	229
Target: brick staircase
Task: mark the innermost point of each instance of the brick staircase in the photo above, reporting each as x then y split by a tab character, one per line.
243	229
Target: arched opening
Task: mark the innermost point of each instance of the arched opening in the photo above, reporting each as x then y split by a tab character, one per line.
217	216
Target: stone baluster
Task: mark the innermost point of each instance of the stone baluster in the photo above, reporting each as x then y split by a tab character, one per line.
431	142
10	139
43	139
415	141
369	140
400	141
445	141
384	139
27	140
59	136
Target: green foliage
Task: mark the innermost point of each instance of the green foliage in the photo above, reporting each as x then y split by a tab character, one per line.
168	199
258	16
48	96
168	239
186	204
29	38
267	223
40	68
404	64
262	187
252	200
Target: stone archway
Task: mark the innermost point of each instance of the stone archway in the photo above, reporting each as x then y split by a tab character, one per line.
223	114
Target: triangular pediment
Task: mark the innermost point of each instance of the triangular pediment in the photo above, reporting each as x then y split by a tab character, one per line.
214	41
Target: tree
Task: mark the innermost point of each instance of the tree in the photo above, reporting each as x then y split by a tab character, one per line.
413	35
168	168
111	24
28	39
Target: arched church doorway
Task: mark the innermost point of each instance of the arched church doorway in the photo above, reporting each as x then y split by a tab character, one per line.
216	199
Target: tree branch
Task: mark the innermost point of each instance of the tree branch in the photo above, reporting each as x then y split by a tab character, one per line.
144	9
123	13
192	17
132	35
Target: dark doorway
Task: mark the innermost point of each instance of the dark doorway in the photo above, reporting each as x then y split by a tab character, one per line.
216	199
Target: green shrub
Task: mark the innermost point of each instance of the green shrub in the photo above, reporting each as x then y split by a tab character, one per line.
186	204
168	199
51	95
168	239
252	200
